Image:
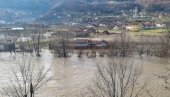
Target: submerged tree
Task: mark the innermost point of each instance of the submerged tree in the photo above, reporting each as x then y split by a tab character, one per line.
165	42
166	79
25	81
63	45
124	43
117	79
36	42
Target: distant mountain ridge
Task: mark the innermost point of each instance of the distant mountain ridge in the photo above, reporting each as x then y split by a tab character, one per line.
22	10
49	8
69	9
29	5
155	5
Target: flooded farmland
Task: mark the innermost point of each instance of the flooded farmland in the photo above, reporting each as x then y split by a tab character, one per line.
71	76
84	48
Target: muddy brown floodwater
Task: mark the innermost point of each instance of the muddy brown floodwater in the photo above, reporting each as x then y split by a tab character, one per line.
72	75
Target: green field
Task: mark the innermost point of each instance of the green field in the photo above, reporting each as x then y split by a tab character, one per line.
153	31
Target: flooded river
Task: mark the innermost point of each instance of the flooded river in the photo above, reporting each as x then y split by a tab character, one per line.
72	75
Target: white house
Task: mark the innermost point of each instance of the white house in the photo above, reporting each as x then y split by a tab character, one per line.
18	28
158	25
24	39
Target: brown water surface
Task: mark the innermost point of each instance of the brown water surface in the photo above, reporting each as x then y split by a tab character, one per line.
72	75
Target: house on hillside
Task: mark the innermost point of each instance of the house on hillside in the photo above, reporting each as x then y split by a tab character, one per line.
149	25
82	44
102	44
90	44
160	25
91	30
18	28
24	39
134	27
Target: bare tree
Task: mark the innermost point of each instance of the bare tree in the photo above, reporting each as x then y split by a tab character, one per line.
63	45
25	81
36	42
140	47
114	48
117	79
121	45
144	45
124	44
165	41
164	45
80	53
166	79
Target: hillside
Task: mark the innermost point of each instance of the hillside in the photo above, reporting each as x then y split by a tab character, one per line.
22	10
76	9
28	5
155	5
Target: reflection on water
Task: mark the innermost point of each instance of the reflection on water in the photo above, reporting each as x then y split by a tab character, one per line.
72	75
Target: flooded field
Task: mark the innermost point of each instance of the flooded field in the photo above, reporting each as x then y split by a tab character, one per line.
71	76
